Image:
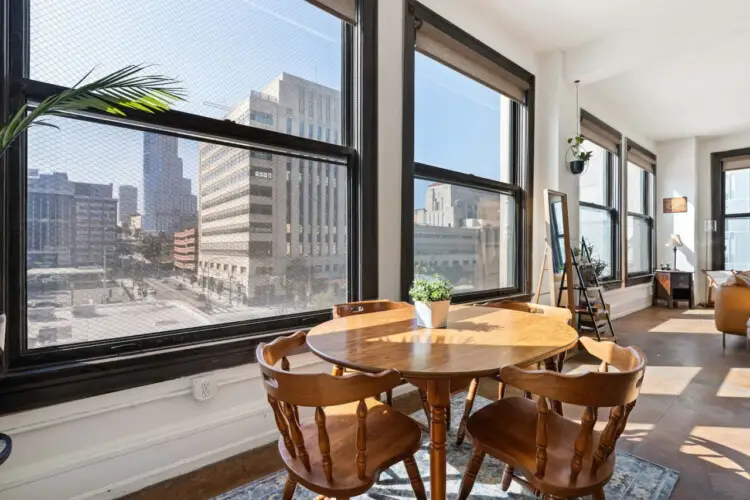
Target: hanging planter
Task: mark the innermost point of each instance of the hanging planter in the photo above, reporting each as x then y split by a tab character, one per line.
576	157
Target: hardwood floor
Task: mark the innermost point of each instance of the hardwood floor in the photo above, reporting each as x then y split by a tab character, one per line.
693	414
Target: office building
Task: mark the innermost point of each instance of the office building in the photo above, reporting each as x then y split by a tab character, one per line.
49	220
465	236
167	194
127	198
185	249
265	218
69	223
95	224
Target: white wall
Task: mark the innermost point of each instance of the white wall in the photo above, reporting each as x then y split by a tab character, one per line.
678	176
390	117
111	445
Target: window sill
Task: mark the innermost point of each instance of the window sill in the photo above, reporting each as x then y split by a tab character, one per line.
490	296
45	385
639	279
611	285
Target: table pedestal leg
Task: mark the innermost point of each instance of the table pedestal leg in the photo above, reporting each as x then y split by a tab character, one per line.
438	395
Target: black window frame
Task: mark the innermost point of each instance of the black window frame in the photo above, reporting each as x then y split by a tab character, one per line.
718	205
520	186
649	203
51	375
612	209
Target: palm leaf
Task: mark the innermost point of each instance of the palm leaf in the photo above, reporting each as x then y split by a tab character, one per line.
116	93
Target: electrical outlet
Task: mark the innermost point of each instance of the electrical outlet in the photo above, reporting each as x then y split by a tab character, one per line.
204	387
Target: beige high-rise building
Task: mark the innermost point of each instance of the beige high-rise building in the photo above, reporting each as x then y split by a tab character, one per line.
466	236
272	226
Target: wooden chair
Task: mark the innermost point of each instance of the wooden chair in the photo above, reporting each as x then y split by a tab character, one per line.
557	313
558	457
342	451
366	307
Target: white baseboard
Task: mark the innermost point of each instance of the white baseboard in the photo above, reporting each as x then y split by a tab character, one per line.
93	449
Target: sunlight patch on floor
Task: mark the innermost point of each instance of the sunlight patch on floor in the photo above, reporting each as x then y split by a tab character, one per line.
736	384
699	312
659	380
725	447
686	326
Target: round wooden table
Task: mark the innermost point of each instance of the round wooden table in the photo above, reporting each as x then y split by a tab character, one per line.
478	342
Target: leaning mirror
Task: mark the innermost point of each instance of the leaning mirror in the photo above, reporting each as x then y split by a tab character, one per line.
558	248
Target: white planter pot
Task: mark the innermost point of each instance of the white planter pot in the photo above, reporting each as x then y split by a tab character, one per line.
432	314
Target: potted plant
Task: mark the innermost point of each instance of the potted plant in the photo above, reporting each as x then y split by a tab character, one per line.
580	157
431	297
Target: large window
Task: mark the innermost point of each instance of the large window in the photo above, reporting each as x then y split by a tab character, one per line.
464	180
599	195
734	212
236	226
640	210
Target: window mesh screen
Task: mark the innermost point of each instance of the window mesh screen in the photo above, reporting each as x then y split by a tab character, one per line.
132	233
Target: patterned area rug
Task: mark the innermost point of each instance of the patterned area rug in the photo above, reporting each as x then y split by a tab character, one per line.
634	478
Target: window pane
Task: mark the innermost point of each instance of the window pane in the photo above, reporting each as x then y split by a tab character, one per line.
264	237
737	188
460	124
593	183
255	63
465	235
636	187
596	229
737	244
650	197
639	248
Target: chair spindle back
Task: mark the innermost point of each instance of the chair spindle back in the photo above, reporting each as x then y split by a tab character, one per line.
287	391
366	307
561	314
593	390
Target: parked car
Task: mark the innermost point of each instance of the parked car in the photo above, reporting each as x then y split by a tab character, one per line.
44	303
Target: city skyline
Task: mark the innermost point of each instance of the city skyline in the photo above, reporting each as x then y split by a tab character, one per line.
169	204
268	39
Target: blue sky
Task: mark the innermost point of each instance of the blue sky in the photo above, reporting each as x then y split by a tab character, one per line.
456	123
221	50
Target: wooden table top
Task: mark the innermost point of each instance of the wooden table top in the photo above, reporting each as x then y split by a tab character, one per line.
478	341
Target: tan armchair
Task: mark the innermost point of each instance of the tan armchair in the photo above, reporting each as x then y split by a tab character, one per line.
732	306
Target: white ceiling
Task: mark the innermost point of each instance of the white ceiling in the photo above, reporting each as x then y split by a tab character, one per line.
674	68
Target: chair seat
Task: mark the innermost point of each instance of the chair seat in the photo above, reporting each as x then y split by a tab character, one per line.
391	437
506	430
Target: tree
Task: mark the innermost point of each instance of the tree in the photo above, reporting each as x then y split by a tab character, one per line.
300	275
136	274
151	247
156	249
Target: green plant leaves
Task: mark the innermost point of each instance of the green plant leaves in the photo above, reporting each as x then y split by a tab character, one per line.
431	290
115	93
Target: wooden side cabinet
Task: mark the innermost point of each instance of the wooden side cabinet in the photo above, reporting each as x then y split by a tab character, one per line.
673	286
